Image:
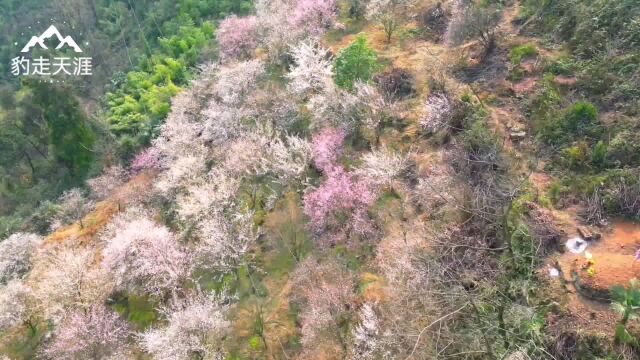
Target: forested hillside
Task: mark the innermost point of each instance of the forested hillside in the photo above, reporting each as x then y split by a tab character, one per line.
324	179
143	52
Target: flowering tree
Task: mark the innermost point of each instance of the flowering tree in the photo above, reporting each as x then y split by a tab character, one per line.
14	298
381	166
437	111
112	178
225	241
275	107
210	194
287	159
333	106
327	146
276	30
314	16
387	12
244	154
15	255
149	158
339	205
366	333
195	329
313	69
256	153
183	171
237	37
143	255
325	291
65	278
235	81
73	207
95	333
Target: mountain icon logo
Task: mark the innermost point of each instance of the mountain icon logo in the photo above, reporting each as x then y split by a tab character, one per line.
47	34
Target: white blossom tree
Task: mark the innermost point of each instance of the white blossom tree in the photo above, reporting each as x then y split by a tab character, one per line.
333	106
15	255
326	294
195	328
93	333
381	166
313	69
244	155
145	256
211	194
275	29
287	159
436	113
14	300
112	178
65	278
73	206
236	80
365	334
182	172
224	241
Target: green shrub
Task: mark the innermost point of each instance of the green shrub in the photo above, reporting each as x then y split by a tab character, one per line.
599	155
562	66
624	149
578	121
357	62
576	157
520	52
626	301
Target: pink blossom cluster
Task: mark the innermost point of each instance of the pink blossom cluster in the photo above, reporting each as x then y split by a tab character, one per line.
314	15
237	36
150	158
327	146
339	205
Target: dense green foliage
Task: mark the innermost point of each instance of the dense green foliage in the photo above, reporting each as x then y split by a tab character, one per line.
143	98
357	62
604	37
46	144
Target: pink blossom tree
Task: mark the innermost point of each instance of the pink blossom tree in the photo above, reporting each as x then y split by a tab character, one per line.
327	146
237	37
339	206
149	158
96	333
315	16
